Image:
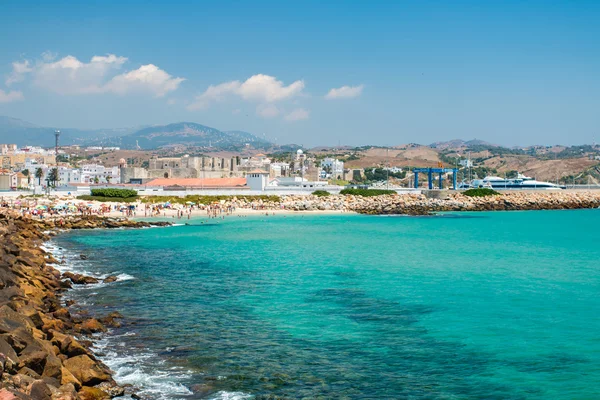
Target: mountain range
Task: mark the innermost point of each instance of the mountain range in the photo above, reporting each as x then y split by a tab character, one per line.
22	133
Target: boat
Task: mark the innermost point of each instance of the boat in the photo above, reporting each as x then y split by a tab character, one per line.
521	182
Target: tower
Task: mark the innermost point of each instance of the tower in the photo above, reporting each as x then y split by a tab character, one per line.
56	136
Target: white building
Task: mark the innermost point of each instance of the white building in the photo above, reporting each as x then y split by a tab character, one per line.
257	179
96	173
279	169
333	168
67	176
296	182
466	163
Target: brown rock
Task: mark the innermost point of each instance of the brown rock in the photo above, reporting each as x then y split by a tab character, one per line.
53	367
8	351
92	393
39	390
36	360
87	371
65	392
111	388
110	279
90	325
69	379
74	348
10	320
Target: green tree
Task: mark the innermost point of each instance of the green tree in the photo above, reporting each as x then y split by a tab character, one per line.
39	173
26	173
53	176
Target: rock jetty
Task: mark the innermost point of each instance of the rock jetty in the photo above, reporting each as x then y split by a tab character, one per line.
419	204
43	351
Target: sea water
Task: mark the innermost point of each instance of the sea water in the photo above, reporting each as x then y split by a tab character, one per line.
501	305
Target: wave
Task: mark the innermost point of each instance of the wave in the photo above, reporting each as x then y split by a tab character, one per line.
223	395
142	369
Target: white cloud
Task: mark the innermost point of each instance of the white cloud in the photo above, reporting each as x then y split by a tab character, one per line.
13	95
70	76
258	87
18	72
145	78
267	110
297	115
345	92
268	88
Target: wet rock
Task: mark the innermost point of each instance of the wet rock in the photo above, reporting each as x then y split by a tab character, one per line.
92	393
79	279
110	279
111	388
83	257
89	326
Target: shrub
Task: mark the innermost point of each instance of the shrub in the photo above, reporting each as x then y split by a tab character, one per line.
115	193
107	199
480	192
321	193
367	192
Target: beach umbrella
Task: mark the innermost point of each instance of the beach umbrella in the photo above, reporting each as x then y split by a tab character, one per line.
41	207
190	202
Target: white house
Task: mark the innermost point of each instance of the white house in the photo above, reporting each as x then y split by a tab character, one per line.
257	179
92	172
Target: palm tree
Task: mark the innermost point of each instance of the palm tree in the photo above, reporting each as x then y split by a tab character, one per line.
39	173
26	173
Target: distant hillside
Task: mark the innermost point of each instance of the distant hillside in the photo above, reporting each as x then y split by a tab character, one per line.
460	144
190	134
24	133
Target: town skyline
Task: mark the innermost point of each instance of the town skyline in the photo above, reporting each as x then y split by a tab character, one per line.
392	72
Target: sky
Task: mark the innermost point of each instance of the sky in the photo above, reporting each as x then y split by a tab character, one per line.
310	72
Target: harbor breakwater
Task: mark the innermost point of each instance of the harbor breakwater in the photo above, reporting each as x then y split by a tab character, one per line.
419	204
44	348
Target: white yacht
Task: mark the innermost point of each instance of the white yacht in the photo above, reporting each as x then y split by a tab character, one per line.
520	182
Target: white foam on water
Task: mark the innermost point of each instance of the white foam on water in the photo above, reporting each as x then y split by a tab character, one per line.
140	369
223	395
143	369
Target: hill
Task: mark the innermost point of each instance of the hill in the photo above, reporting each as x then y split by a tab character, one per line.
24	133
190	134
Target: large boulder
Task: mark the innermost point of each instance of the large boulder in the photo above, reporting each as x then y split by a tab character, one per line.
67	378
39	390
86	370
35	360
92	393
10	320
91	325
65	392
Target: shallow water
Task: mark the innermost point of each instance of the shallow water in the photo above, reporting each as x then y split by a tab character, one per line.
477	305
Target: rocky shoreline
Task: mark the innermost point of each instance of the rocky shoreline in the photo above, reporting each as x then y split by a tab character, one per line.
44	353
421	204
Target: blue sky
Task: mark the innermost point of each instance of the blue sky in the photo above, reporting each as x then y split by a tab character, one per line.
510	72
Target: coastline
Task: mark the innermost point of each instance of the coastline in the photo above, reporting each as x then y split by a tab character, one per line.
45	351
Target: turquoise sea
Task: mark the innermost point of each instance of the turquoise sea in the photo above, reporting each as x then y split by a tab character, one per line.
502	305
